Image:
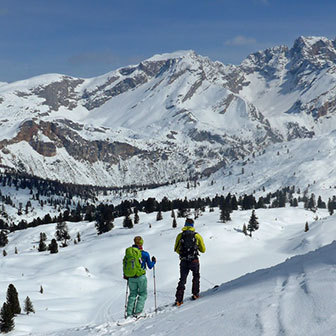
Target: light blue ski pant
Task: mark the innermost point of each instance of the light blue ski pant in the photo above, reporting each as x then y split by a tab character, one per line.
137	296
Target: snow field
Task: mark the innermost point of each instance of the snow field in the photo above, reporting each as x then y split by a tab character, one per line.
83	285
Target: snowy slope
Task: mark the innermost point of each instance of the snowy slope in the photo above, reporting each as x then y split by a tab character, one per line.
84	292
293	298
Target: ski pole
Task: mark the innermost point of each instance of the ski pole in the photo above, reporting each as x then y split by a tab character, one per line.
126	300
211	283
154	289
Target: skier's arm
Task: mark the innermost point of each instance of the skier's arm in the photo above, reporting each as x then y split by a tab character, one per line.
147	259
200	243
177	243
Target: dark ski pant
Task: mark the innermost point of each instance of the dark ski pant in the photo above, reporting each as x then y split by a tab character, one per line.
185	267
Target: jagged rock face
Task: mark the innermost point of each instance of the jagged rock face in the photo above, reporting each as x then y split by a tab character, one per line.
170	117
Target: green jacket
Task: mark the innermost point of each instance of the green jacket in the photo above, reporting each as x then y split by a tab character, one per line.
199	240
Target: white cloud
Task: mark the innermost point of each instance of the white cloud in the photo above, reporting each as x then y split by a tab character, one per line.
241	41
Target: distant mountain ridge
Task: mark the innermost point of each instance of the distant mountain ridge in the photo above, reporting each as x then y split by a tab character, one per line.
172	116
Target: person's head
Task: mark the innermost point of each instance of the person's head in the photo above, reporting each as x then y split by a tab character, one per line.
189	222
138	241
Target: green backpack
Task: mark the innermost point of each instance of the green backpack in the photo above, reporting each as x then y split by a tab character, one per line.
132	263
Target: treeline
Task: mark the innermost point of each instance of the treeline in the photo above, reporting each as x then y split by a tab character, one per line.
105	213
47	187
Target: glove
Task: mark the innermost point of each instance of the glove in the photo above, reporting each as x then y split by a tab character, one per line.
153	259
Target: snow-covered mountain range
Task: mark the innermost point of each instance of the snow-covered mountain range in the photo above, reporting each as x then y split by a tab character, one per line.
173	116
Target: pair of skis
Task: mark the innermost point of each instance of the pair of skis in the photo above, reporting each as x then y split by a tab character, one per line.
130	320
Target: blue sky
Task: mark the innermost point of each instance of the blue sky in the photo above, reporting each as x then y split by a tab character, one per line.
86	38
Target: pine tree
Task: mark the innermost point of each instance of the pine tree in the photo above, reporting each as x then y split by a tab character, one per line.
78	237
306	227
53	246
104	220
294	202
136	216
41	289
4	253
310	204
320	203
28	306
253	223
224	215
159	215
173	214
62	233
13	299
330	207
43	236
128	223
174	223
16	250
6	318
3	238
42	245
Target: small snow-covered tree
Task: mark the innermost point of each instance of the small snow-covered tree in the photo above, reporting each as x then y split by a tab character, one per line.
28	306
159	215
53	246
128	223
253	222
42	246
62	233
136	216
224	215
43	236
306	227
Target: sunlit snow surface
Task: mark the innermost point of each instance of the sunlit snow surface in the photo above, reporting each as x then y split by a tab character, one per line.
84	293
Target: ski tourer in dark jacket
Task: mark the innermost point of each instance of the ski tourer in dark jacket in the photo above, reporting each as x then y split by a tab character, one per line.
188	244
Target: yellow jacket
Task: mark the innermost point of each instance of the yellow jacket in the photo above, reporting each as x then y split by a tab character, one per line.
199	240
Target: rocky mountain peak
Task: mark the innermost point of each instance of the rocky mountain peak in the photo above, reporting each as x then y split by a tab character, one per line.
270	58
318	51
